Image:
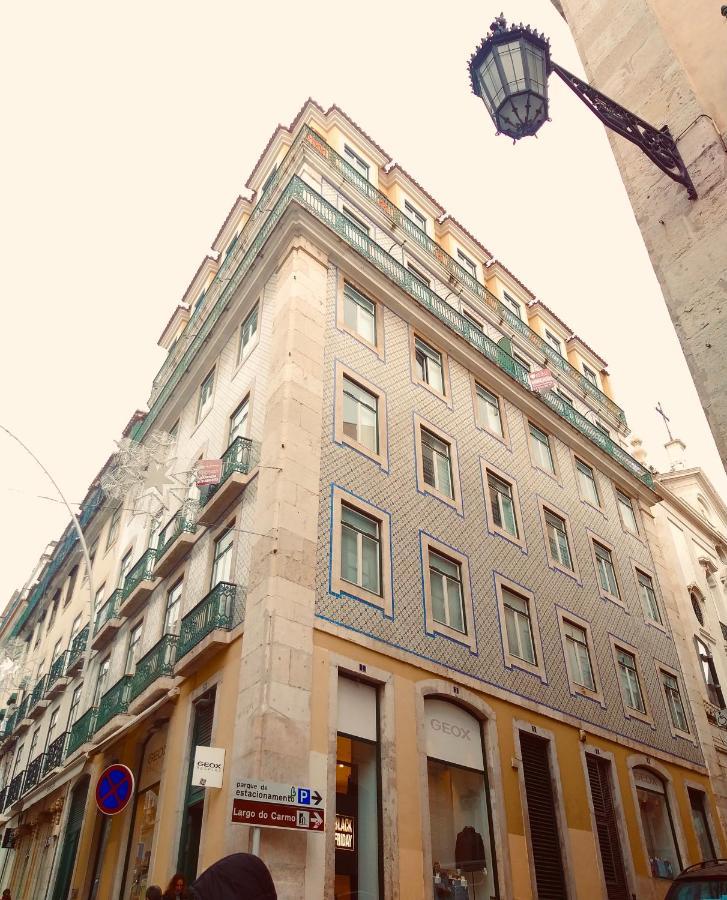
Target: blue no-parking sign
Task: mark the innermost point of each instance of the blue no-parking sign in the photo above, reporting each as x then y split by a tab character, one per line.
114	789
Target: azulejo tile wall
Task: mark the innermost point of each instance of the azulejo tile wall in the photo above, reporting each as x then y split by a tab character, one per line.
411	512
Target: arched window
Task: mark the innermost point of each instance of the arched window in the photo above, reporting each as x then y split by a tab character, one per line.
697	607
459	807
657	824
714	691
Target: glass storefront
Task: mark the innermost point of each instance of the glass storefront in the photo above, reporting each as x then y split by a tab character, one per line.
656	820
358	822
459	809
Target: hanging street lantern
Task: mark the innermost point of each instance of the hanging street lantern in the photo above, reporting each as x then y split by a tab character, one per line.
509	72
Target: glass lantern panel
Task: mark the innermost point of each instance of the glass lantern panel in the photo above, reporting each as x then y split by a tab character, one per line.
492	87
511	59
535	61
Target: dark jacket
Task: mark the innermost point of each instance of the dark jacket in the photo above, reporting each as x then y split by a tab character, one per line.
240	876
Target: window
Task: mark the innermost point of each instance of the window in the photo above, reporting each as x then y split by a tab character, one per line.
578	655
413	213
518	627
554	341
356	161
56	650
360	415
629	679
198	303
99	598
445	582
590	375
174	432
489	414
657	824
714	691
674	702
419	275
429	366
248	330
601	427
359	314
70	586
206	391
238	420
174	602
52	725
269	180
92	552
75	703
501	504
697	607
540	450
701	824
359	223
76	627
124	568
521	359
101	679
587	483
648	596
605	570
467	263
626	511
566	398
436	463
473	321
558	544
222	562
360	549
132	651
511	304
33	744
114	527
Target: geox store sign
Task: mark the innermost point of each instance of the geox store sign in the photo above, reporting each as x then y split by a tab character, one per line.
209	767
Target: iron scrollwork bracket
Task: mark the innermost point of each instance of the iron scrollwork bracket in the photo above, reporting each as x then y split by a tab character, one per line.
657	144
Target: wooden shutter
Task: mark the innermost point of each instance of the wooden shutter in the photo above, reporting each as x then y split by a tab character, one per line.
544	833
599	776
201	737
70	840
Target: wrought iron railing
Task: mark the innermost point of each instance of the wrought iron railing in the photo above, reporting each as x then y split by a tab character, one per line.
14	789
82	730
143	570
159	661
78	645
3	795
33	773
56	671
113	702
108	611
724	630
22	712
297	190
222	608
38	692
239	457
55	753
183	521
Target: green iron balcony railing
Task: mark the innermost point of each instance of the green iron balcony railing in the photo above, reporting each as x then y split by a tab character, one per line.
113	702
82	730
158	662
143	570
38	693
299	192
78	646
3	795
14	788
33	773
108	611
22	712
183	521
10	724
239	457
222	608
57	670
55	752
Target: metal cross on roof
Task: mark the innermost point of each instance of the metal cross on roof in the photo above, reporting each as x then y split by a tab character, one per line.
665	418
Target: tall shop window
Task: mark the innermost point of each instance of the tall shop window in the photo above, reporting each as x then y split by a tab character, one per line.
658	825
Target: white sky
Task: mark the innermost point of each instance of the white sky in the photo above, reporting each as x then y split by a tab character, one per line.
130	129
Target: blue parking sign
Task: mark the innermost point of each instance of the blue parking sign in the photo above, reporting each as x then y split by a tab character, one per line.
304	796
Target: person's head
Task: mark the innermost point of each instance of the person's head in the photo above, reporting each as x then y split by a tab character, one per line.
177	884
153	892
6	894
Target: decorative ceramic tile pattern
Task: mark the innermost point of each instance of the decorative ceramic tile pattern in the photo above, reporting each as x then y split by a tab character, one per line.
411	512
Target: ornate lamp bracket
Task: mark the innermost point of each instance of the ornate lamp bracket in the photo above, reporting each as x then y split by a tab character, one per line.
657	144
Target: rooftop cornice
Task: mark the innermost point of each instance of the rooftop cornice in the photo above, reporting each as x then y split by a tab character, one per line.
687	511
509	280
181	313
237	211
696	474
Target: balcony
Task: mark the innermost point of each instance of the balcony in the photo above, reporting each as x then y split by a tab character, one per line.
175	541
55	753
38	700
57	680
14	789
154	674
139	584
82	731
237	462
207	628
33	773
715	716
112	708
107	622
7	727
76	651
3	795
22	721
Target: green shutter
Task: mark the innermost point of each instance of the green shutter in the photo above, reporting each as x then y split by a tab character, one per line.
70	840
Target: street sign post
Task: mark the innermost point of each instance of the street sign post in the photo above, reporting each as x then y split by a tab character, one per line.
114	789
269	804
